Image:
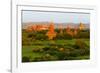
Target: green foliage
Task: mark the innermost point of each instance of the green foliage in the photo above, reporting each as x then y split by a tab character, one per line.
37	50
46	57
79	44
64	35
83	34
25	59
62	47
28	38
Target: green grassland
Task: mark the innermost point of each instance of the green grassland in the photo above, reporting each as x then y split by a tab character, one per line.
27	50
36	46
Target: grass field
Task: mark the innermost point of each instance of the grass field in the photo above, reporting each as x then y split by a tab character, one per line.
27	50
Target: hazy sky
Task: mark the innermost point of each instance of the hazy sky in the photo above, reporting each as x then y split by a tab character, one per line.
57	17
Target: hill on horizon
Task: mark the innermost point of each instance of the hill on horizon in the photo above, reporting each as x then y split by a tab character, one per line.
64	25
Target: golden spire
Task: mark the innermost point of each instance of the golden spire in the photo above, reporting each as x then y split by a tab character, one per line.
81	26
51	32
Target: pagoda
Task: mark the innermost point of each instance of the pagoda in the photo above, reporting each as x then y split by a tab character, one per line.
81	26
51	32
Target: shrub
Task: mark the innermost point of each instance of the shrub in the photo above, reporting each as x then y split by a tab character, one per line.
61	49
84	51
83	34
79	52
75	53
37	59
25	59
45	57
46	48
79	44
37	50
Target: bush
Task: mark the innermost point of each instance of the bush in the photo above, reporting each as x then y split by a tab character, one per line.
25	59
79	44
37	59
46	48
48	57
75	53
45	57
79	52
83	34
37	50
84	52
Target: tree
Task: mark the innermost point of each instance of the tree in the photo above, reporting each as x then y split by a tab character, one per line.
75	31
60	28
68	30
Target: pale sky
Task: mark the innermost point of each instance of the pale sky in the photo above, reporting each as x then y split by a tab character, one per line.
57	17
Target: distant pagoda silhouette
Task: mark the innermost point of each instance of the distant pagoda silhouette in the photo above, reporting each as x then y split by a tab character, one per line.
51	32
81	26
